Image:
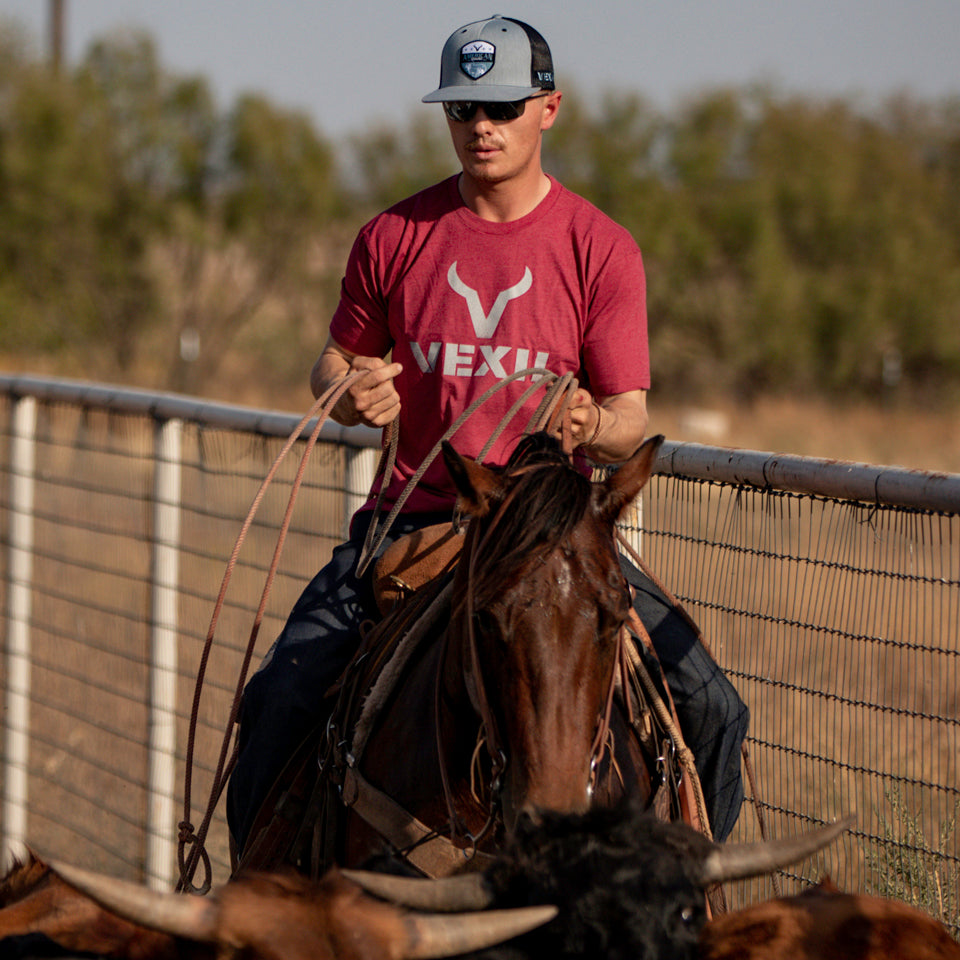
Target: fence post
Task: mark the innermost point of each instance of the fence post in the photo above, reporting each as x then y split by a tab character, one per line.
361	467
161	838
20	586
631	523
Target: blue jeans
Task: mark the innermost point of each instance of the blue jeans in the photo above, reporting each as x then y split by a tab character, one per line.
283	700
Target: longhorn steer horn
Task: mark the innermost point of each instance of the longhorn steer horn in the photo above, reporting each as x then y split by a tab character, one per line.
468	891
427	936
189	917
739	861
433	936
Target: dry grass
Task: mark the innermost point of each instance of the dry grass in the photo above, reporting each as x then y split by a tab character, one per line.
895	436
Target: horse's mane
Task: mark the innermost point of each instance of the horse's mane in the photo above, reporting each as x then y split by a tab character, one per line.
544	498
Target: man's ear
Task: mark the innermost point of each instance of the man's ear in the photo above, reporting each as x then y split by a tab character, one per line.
551	106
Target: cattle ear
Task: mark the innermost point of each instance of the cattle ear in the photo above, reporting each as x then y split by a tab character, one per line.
476	484
620	488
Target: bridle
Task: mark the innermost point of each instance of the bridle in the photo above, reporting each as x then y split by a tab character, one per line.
489	734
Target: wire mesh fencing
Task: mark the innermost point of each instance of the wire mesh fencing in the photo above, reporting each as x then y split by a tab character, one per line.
838	623
836	617
93	617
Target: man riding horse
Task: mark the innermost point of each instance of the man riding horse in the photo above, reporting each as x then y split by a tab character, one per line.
494	270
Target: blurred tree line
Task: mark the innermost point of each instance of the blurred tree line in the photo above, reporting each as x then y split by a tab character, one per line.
791	245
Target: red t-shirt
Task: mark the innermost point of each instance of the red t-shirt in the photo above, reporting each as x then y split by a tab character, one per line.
464	302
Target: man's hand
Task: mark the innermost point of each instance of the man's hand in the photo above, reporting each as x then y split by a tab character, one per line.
585	417
371	400
610	428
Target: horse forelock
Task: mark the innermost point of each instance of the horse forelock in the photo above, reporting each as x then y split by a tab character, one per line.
542	500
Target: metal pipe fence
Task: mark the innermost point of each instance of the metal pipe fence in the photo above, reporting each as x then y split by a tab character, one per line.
829	592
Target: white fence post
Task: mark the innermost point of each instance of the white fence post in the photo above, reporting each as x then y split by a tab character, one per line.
361	468
161	835
631	524
17	733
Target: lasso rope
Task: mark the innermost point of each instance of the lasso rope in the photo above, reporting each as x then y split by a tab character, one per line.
186	837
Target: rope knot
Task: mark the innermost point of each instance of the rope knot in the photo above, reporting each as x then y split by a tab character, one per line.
187	838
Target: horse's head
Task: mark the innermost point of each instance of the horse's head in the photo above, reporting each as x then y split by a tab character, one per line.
540	599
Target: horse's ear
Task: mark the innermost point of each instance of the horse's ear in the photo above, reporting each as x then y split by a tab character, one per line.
476	484
619	489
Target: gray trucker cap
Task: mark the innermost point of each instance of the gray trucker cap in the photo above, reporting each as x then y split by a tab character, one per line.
495	59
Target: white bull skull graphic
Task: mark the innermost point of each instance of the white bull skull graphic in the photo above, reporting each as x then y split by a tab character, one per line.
485	324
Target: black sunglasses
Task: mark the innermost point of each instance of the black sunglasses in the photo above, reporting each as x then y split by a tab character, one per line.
462	111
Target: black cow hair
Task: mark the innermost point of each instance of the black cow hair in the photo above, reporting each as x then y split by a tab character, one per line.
625	884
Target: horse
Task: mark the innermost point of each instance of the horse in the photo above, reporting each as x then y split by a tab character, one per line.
505	703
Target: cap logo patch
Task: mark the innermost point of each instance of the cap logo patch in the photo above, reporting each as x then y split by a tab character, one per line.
476	58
